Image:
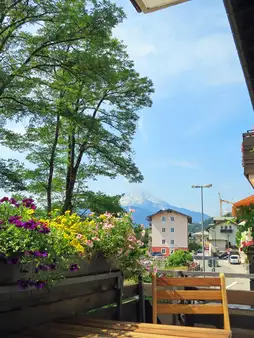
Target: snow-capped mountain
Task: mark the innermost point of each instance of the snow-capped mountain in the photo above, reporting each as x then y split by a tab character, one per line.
145	204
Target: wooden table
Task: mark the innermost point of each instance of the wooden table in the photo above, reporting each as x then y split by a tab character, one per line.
78	327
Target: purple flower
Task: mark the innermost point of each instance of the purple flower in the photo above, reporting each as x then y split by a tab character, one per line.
74	267
43	229
40	254
23	283
29	203
1	221
13	261
4	199
39	284
30	225
13	201
14	219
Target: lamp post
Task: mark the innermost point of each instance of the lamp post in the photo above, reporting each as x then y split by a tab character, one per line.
148	6
201	187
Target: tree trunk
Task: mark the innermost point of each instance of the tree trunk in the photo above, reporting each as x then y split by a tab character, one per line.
71	174
51	164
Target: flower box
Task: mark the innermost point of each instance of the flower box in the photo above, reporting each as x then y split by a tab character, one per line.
98	265
10	273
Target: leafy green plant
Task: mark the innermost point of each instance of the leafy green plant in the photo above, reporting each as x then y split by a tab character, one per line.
245	230
193	246
179	258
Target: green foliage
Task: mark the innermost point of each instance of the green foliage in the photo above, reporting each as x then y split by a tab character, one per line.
179	258
11	178
245	215
193	246
99	203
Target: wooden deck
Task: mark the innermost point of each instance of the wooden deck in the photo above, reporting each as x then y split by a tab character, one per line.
78	327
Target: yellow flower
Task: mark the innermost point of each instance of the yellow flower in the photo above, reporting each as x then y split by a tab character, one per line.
67	212
30	212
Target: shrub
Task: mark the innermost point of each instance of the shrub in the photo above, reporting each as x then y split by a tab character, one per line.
194	246
179	258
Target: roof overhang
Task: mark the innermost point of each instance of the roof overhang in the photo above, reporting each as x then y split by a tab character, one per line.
148	6
241	18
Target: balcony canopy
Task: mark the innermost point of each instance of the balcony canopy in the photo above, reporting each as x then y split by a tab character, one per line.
241	18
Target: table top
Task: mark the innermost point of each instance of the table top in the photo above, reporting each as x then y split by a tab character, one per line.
78	327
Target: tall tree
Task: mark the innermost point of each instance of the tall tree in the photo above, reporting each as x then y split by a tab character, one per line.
83	107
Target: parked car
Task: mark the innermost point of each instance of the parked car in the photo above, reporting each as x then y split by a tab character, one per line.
199	252
157	254
224	255
234	259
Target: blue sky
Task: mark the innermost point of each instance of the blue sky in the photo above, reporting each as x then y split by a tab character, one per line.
192	134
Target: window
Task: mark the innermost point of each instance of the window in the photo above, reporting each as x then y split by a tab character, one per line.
163	251
230	227
163	219
172	241
172	230
172	219
163	241
163	230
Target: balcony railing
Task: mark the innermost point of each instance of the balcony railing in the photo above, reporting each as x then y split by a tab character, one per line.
226	231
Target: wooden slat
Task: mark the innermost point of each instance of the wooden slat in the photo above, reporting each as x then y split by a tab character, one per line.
224	302
159	328
189	295
187	281
189	309
87	331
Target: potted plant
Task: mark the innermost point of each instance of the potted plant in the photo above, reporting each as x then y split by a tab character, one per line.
37	251
245	231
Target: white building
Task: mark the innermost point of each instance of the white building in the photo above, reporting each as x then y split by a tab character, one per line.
169	231
222	234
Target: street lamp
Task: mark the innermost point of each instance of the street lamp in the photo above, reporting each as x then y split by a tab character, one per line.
201	187
148	6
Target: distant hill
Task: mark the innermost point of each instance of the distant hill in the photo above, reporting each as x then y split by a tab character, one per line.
146	204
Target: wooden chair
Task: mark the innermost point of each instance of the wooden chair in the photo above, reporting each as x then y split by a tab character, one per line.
160	284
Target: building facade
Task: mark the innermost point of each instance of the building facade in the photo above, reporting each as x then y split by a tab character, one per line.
169	231
222	234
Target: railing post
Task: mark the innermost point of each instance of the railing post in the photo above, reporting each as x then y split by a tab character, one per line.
119	297
141	301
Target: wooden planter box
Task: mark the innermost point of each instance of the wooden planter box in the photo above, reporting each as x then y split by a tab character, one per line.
11	273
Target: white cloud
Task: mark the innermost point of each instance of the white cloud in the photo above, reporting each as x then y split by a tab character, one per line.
169	45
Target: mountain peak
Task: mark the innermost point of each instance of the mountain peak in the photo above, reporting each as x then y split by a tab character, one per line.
147	204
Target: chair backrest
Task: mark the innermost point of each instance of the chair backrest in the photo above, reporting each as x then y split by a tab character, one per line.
160	292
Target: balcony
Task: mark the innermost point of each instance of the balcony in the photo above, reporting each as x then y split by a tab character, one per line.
226	231
248	155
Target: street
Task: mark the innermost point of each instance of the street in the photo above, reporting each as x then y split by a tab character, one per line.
232	283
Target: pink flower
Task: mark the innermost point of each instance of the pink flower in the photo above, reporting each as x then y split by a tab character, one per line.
79	236
155	270
108	226
132	210
132	238
147	268
140	243
142	226
127	253
89	243
120	251
130	246
107	214
95	239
